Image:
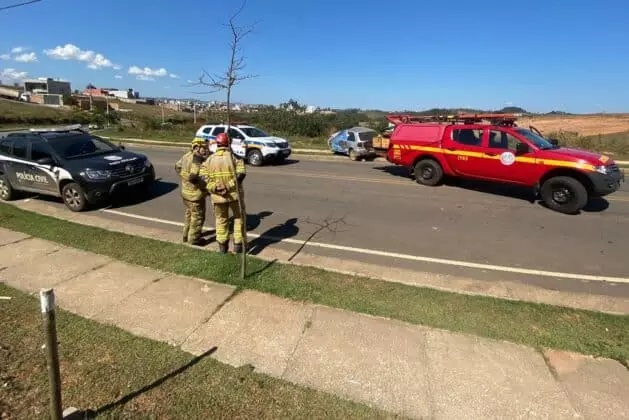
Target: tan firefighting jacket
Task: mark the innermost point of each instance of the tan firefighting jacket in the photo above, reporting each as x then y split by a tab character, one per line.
192	185
217	171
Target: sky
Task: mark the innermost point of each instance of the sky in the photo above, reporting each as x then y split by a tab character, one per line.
399	55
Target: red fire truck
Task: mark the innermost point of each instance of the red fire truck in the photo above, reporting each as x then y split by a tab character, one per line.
492	147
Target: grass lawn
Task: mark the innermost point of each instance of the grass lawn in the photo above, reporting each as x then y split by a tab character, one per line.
536	325
118	375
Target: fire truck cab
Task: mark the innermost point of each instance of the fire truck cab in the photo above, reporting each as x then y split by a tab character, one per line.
491	147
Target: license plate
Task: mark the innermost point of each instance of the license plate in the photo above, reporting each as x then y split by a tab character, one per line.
285	152
135	181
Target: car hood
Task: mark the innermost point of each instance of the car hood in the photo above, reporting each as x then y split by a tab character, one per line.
112	160
580	154
267	139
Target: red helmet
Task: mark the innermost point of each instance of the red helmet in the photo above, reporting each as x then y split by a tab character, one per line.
222	139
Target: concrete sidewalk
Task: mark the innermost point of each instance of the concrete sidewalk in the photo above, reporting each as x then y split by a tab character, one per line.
407	369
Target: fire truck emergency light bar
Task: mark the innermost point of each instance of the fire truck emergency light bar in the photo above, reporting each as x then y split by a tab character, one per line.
495	119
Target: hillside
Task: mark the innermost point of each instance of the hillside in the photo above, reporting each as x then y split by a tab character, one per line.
12	109
585	125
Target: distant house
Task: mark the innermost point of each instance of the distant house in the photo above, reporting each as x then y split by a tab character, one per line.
47	86
47	91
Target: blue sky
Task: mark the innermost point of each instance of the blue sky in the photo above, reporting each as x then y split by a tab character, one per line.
404	54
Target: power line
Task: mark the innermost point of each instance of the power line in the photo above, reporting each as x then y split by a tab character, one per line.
19	4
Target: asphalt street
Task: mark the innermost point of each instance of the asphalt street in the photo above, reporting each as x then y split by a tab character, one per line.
373	212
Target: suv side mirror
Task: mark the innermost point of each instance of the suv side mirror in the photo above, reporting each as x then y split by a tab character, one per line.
45	161
554	142
121	146
522	148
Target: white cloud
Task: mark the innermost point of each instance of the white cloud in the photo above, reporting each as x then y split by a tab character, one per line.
118	76
13	74
147	73
18	50
93	59
26	57
117	67
5	56
174	76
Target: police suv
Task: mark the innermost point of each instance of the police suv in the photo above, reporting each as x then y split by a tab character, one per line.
70	163
248	142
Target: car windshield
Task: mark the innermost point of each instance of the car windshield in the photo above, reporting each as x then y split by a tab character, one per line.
80	145
253	132
539	141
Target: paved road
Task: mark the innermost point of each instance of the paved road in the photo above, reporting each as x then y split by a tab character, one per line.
383	210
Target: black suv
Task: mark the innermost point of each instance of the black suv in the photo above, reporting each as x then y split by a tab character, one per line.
72	164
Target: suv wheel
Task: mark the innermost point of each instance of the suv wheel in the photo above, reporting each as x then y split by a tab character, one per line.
428	172
352	155
6	191
74	197
564	194
254	157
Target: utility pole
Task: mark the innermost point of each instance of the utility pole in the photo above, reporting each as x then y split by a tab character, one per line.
91	103
107	105
194	110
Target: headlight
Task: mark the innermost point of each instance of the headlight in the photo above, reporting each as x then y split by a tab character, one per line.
96	174
272	144
601	169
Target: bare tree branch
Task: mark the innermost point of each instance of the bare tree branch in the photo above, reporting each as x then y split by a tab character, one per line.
225	81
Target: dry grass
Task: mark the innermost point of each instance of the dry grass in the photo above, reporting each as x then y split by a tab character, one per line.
11	108
153	111
585	125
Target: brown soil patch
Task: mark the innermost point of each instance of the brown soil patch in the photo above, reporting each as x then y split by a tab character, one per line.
585	125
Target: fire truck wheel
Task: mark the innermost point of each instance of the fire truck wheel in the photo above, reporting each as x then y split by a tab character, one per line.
428	172
564	194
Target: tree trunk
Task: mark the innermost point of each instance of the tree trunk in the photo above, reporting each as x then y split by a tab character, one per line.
241	204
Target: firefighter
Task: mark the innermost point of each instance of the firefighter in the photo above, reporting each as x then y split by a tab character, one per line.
224	173
193	190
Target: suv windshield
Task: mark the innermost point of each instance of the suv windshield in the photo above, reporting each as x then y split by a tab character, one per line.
80	145
539	141
253	132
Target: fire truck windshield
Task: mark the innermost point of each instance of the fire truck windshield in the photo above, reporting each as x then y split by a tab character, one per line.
539	141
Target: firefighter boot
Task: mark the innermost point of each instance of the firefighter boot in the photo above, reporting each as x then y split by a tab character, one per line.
237	248
222	247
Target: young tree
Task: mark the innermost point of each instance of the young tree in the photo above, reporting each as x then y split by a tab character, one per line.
225	81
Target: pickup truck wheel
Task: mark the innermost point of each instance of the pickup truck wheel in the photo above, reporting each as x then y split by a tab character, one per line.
564	194
74	197
6	191
428	172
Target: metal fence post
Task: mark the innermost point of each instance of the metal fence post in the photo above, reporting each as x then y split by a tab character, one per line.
47	299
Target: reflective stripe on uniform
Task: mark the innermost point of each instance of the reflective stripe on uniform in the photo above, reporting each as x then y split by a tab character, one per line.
217	169
184	167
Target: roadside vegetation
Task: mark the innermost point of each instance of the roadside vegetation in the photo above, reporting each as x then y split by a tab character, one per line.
115	374
302	130
536	325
